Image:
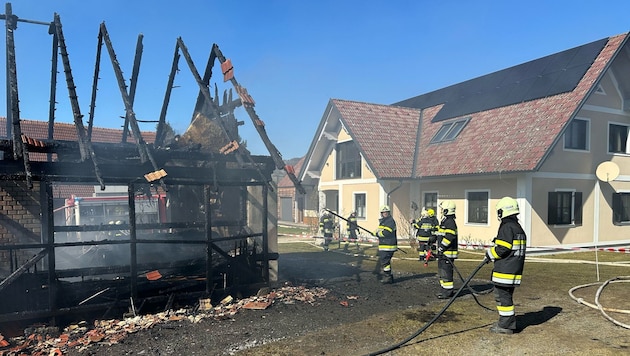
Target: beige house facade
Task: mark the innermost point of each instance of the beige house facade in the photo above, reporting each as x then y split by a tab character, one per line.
552	133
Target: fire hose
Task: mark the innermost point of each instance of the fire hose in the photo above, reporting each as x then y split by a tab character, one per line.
359	226
430	322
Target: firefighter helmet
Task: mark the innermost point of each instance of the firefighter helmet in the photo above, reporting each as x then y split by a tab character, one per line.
506	207
385	209
431	212
448	207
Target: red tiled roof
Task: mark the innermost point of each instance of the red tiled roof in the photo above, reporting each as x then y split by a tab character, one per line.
68	132
286	182
512	138
506	139
386	135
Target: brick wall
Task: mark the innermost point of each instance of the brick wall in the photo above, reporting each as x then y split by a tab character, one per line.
20	221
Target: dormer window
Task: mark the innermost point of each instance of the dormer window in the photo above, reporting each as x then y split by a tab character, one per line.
450	130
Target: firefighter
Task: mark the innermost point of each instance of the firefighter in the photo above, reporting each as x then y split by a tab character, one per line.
387	243
425	229
508	255
446	236
352	228
326	225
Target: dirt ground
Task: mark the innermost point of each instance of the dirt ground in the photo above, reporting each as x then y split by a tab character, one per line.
378	316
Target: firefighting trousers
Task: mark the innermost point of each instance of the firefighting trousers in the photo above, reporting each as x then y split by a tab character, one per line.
386	261
445	271
423	247
505	306
327	239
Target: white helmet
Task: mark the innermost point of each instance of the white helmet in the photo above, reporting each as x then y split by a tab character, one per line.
385	208
448	207
506	207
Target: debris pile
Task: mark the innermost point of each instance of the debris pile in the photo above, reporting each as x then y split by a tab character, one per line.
48	341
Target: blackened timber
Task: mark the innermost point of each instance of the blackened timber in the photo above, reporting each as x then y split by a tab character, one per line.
142	147
23	268
125	173
133	83
145	153
53	86
160	133
133	283
13	111
97	69
84	144
249	108
241	151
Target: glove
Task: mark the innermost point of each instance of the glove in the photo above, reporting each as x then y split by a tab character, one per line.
440	250
489	257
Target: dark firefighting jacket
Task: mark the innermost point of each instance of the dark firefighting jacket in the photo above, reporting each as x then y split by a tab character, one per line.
425	227
509	253
386	233
447	237
326	224
352	228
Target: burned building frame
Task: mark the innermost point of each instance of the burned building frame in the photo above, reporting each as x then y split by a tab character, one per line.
210	233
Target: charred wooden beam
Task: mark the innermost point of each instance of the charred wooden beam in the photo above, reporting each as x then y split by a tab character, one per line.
53	84
84	144
248	104
97	69
160	134
23	268
133	83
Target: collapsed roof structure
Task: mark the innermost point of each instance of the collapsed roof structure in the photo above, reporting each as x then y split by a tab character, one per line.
193	220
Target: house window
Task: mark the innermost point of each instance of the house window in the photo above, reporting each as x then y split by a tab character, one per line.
449	130
621	208
348	160
477	207
577	135
430	201
617	138
565	208
359	205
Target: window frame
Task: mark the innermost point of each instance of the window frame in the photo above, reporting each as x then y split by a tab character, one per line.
361	213
608	141
433	204
468	208
575	206
449	130
571	131
616	204
341	162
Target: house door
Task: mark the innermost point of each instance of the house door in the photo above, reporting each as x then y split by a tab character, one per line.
286	209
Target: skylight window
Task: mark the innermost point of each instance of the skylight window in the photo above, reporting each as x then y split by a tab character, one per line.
449	130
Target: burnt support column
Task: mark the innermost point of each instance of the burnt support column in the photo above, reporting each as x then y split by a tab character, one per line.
208	230
48	238
133	258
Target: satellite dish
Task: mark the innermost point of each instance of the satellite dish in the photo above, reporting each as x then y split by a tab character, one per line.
607	171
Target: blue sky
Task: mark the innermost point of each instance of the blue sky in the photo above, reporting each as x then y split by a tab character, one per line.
291	55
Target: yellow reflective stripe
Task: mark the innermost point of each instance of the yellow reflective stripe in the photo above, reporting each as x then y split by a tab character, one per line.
446	285
423	238
385	228
446	241
505	310
503	243
449	231
450	253
494	253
